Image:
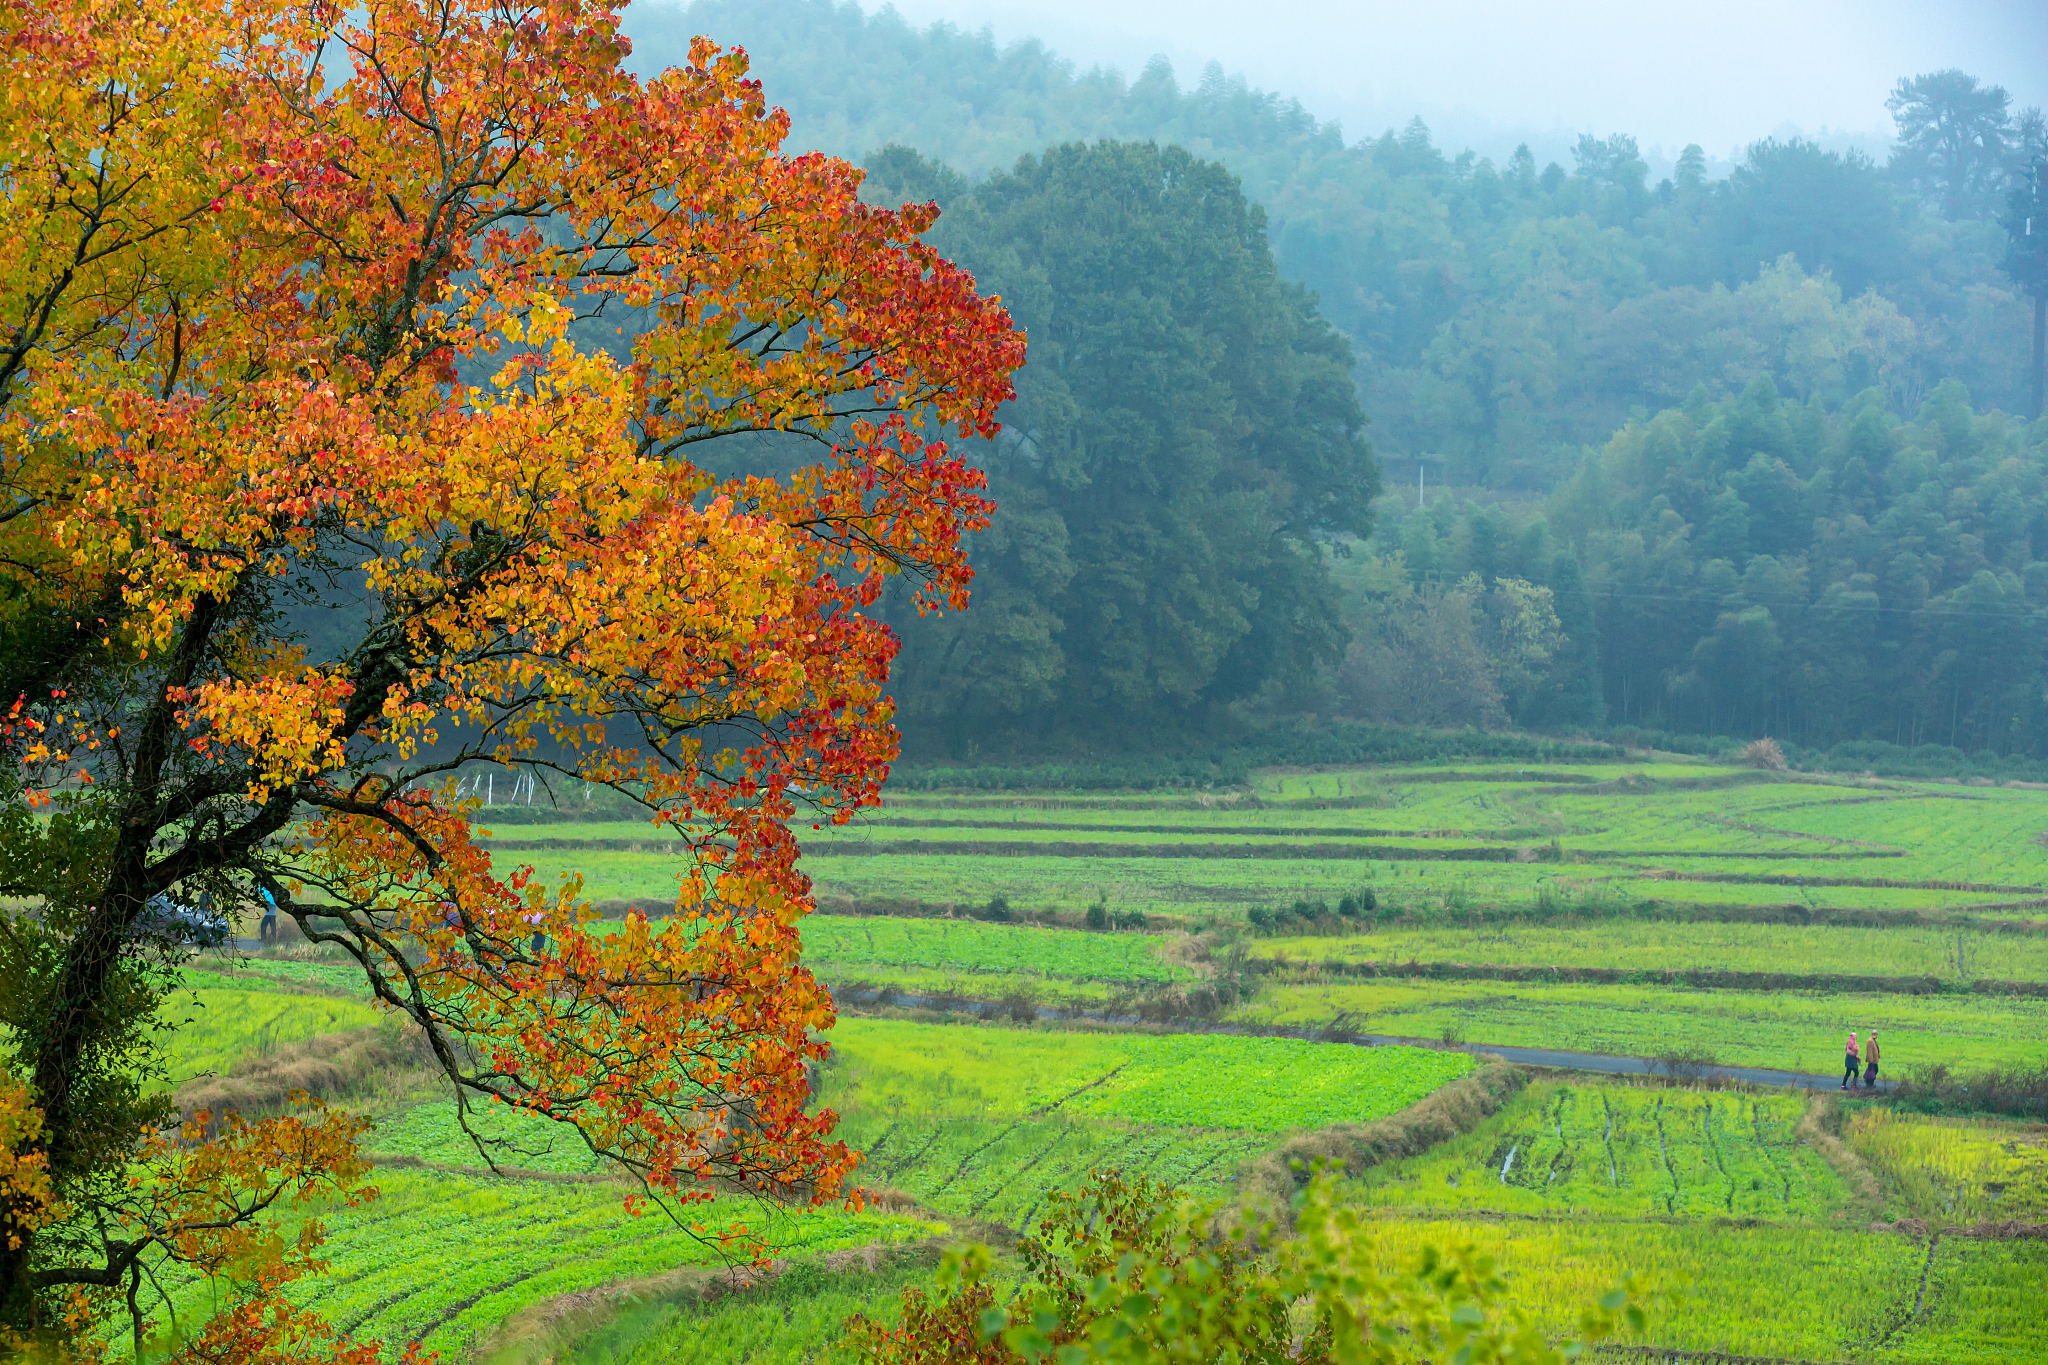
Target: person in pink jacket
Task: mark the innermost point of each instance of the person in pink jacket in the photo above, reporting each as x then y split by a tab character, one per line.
1870	1061
1850	1064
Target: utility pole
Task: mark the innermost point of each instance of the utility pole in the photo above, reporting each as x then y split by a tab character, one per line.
2026	260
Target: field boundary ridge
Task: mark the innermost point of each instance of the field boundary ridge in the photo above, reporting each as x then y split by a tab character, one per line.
1656	1355
1696	978
1448	1112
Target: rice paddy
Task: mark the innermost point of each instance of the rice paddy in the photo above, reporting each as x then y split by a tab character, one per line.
1671	832
1890	901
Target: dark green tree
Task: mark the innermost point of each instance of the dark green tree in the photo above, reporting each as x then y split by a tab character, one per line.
1952	140
1834	212
1574	693
1185	439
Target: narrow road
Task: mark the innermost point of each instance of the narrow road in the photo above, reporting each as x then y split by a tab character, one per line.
1599	1062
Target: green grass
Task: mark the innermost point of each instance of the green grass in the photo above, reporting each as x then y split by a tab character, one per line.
1781	1030
443	1258
514	1139
794	1318
1689	946
217	1024
1637	831
1802	1290
1952	1170
849	944
1572	1149
1711	1192
983	1122
1983	1307
1001	1172
1261	1085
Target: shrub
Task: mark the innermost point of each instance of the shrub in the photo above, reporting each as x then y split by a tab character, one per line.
2015	1092
1685	1064
1098	915
1765	754
1127	1271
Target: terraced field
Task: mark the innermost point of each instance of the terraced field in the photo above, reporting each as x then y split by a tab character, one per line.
1575	1184
1704	946
1569	1149
1684	896
1571	1184
1677	833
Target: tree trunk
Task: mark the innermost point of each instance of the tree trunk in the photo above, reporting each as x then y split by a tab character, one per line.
2040	341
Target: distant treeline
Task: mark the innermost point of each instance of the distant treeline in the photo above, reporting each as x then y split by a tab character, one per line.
1338	744
1813	523
1348	744
1503	313
1763	566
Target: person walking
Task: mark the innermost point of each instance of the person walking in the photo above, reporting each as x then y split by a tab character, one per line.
1870	1061
1851	1066
266	932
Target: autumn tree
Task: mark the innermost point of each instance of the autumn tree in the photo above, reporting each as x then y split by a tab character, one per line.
358	367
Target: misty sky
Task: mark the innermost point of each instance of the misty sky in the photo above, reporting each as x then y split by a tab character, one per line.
1720	74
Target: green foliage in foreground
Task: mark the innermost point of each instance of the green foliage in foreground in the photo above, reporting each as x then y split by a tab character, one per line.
1127	1272
1265	1085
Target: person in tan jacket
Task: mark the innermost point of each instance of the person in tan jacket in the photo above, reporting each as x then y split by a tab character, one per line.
1870	1062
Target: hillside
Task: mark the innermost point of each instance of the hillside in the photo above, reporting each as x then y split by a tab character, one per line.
1503	315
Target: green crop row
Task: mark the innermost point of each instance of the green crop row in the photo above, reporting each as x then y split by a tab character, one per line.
1002	1172
965	945
1617	1150
794	1319
1782	1030
217	1020
1983	1307
442	1258
1696	946
1952	1171
511	1138
1803	1290
1195	1081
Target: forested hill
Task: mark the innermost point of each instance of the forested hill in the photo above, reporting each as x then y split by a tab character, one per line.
1751	566
1504	316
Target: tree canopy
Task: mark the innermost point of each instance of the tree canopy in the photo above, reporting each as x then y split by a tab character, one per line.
1185	440
1496	305
295	327
1759	565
